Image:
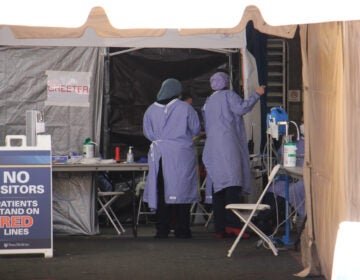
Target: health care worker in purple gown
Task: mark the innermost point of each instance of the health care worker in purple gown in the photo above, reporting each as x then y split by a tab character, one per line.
171	186
226	155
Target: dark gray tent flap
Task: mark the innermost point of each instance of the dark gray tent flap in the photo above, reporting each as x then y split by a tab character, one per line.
136	77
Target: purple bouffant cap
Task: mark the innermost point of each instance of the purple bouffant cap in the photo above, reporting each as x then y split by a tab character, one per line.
219	80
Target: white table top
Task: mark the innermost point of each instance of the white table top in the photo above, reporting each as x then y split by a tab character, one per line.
86	167
296	172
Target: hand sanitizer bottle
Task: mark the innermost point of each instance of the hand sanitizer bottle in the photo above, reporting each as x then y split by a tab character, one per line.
88	148
130	155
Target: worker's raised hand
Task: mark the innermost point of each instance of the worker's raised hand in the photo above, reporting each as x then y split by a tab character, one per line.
260	90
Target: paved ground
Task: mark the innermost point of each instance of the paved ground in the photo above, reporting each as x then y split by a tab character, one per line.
108	256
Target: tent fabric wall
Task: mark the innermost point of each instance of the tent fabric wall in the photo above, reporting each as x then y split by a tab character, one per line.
351	123
331	61
74	211
24	87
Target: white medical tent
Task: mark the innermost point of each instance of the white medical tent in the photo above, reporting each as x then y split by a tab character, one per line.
331	90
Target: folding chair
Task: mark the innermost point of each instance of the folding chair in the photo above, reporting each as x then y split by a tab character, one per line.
245	212
199	208
106	200
142	210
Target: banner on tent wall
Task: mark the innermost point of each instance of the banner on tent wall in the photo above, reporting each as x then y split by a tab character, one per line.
66	88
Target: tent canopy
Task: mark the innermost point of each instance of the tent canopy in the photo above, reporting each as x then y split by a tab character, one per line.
156	23
98	31
143	15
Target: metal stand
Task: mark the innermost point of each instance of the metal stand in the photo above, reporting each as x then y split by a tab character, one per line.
286	238
34	125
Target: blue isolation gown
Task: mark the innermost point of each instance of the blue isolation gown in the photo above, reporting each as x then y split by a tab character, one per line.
226	155
171	128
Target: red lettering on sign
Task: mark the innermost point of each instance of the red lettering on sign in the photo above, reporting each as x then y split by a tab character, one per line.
69	89
16	221
4	221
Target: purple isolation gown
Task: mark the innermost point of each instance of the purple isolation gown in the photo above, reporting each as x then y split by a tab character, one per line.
171	128
226	155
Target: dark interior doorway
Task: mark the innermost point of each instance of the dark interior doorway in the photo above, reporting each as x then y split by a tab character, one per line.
136	76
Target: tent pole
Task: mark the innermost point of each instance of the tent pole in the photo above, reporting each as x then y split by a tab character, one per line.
106	107
231	71
225	51
124	51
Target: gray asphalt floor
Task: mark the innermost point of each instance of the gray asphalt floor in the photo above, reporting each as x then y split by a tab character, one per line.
109	256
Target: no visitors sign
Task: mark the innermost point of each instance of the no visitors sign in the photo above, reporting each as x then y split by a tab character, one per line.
25	202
